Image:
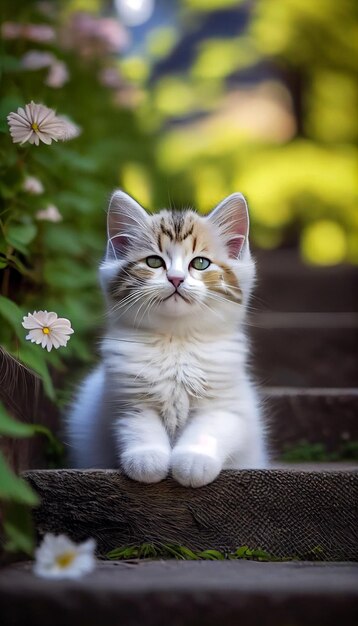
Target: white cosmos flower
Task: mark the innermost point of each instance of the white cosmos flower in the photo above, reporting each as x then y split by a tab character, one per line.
47	329
36	123
59	557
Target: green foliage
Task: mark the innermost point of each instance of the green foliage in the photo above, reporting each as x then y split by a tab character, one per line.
304	451
173	551
14	489
16	496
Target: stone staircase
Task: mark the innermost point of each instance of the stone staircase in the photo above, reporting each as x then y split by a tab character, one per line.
305	338
304	330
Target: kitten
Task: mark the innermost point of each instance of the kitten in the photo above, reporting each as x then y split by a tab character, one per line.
172	392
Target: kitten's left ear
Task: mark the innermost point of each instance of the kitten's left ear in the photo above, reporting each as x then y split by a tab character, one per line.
232	218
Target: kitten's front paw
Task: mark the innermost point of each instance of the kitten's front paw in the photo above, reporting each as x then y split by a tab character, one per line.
146	465
194	469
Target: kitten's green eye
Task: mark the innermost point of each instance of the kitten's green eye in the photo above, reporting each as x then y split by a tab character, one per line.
155	261
200	263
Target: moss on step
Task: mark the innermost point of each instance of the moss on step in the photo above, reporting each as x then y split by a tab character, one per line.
311	452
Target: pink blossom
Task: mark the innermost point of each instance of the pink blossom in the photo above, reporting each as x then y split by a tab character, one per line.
112	33
94	36
11	30
58	75
41	33
33	185
50	214
36	59
109	77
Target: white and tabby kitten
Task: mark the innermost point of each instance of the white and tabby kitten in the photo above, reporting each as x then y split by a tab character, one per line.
172	393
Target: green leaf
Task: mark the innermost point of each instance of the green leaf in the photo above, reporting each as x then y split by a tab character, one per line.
18	528
4	127
12	428
187	553
3	263
13	488
20	234
12	314
10	63
212	555
9	103
33	356
241	552
15	262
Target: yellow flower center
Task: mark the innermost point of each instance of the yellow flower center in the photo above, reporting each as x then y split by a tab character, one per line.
65	559
46	330
34	126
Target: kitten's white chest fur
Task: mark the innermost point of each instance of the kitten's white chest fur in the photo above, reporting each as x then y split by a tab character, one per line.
165	371
172	393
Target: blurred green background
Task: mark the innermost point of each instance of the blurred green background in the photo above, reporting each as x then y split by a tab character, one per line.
180	103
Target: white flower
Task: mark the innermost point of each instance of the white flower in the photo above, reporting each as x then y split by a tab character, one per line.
33	185
59	557
50	214
36	123
47	329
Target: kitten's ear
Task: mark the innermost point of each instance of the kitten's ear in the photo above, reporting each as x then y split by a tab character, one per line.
125	217
232	218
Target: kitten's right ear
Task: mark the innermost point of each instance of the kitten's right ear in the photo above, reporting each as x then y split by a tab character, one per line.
125	217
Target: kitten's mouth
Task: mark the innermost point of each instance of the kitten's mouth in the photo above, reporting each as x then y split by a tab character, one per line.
176	293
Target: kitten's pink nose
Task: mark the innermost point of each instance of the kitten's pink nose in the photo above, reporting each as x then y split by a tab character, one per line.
176	280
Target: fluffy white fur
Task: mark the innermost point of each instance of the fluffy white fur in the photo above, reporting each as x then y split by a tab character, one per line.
172	393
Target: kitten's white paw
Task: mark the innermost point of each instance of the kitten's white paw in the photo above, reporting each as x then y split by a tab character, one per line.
194	469
146	465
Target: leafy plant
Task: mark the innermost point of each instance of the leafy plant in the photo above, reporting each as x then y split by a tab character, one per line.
304	451
16	496
173	551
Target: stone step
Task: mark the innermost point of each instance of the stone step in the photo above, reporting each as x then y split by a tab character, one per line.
185	593
286	513
305	350
315	415
286	284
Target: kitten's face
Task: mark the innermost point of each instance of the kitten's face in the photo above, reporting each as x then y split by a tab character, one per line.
176	266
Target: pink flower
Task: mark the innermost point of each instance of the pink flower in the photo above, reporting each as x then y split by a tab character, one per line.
112	34
109	77
41	33
36	59
94	36
58	75
11	30
50	214
33	185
